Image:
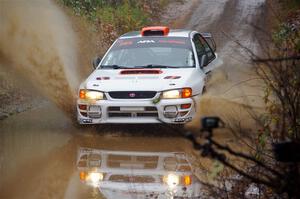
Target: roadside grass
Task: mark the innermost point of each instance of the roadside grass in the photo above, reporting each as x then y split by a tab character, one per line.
123	18
287	31
115	17
98	23
290	4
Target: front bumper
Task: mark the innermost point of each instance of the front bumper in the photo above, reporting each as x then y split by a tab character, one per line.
135	111
141	190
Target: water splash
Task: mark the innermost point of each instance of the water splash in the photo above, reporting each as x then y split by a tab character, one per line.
38	40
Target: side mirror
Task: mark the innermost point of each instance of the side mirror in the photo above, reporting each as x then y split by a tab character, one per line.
203	61
96	62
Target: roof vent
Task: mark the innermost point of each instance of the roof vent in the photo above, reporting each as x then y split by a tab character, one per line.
155	31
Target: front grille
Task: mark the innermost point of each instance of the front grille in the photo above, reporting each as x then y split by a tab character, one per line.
132	94
131	179
119	114
136	112
147	115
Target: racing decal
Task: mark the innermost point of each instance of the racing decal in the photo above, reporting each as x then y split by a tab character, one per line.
125	43
172	77
182	42
146	42
156	100
170	42
183	119
132	95
102	78
86	121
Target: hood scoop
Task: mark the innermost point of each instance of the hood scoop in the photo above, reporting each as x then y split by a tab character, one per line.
140	72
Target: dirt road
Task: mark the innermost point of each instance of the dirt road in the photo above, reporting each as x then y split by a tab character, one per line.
38	148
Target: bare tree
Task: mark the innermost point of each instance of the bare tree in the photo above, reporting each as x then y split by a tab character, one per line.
278	66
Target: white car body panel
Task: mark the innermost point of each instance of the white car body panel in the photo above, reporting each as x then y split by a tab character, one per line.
115	81
190	77
150	167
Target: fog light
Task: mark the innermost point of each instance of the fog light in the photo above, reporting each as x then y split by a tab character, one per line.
170	111
94	111
185	106
82	106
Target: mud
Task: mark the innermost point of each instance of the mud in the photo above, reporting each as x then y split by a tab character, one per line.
46	172
38	40
15	96
43	142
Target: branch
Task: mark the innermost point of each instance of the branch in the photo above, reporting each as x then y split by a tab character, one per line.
219	157
280	59
244	156
241	82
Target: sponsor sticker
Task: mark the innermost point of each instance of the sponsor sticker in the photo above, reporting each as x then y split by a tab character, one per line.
183	119
146	42
179	42
125	43
86	121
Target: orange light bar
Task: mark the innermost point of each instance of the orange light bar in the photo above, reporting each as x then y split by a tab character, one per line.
187	180
186	93
82	94
155	29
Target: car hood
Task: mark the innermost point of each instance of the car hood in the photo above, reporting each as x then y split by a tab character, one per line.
138	79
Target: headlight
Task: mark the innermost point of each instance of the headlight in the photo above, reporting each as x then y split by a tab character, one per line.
95	177
171	180
91	178
178	93
91	95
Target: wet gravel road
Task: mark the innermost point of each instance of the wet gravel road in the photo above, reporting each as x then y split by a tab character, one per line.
38	148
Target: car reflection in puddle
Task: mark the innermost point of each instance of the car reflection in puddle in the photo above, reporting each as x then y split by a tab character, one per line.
130	174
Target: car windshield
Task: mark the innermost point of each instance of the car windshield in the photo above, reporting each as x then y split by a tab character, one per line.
150	52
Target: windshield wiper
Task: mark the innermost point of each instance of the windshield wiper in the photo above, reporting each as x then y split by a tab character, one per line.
114	67
155	66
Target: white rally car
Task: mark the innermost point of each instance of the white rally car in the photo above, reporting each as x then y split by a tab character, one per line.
132	174
150	76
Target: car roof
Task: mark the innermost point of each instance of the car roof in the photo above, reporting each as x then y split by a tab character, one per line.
172	33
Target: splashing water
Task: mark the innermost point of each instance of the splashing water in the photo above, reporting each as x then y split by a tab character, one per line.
38	40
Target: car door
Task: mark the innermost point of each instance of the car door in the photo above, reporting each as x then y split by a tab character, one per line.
210	40
204	52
